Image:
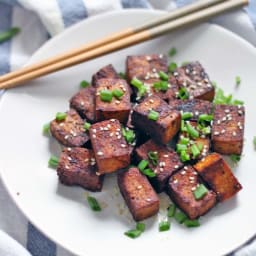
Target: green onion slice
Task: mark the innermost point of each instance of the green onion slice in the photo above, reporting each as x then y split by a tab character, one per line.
148	172
46	128
142	165
172	67
181	147
171	210
93	203
172	51
53	161
164	225
153	115
200	192
184	156
163	76
186	115
192	223
106	95
140	226
87	126
153	156
84	84
235	158
192	131
60	116
129	135
238	80
183	93
133	233
161	86
184	141
117	93
195	151
180	216
7	35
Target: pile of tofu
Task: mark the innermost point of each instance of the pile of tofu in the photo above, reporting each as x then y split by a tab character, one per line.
90	154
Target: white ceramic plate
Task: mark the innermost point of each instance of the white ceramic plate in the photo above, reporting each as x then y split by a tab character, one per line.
61	212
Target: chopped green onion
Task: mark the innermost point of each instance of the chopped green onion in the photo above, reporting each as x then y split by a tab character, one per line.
192	131
186	115
46	128
87	126
183	126
172	51
191	223
106	95
53	161
235	158
133	233
129	135
254	142
214	83
185	63
172	67
200	192
60	116
238	102
205	117
195	151
183	93
161	86
142	165
84	84
148	172
7	35
142	91
184	141
136	83
184	156
140	226
181	147
153	115
117	93
163	76
93	203
180	217
164	226
238	80
153	156
171	210
122	75
221	98
206	130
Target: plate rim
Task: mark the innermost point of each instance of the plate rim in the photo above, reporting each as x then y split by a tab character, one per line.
69	30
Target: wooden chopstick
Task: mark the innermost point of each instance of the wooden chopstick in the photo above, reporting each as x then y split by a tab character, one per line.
113	45
113	37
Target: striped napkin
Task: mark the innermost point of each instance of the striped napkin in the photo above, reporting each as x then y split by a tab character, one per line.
44	19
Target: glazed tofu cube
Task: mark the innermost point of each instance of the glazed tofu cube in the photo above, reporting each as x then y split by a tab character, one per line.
105	72
111	150
196	106
167	163
69	132
228	129
77	166
215	171
181	189
117	108
167	124
84	103
194	78
138	194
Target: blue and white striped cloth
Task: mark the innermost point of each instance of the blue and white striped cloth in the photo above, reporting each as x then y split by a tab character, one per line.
44	19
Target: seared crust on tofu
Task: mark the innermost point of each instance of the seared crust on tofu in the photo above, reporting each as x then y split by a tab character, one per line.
117	108
111	150
196	106
228	129
180	188
215	171
105	72
165	127
84	103
194	78
77	166
138	194
168	162
69	132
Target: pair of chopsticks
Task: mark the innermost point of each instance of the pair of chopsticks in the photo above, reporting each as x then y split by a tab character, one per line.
183	17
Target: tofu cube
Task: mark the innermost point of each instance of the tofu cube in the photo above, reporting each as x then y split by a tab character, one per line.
105	72
117	108
168	162
195	106
228	129
111	150
138	194
215	171
181	189
167	124
84	103
69	132
77	166
194	78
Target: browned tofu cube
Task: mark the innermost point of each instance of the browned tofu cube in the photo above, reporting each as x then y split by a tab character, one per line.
167	163
77	166
228	129
181	189
117	108
167	124
215	171
138	194
196	106
105	72
111	150
84	103
69	132
194	78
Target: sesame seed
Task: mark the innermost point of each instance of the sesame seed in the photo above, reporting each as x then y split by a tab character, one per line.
175	73
69	158
118	129
148	58
184	83
227	110
234	133
105	128
191	181
123	145
185	167
111	134
166	156
187	71
94	136
241	127
176	166
61	124
161	169
218	121
94	130
216	133
175	181
117	102
240	112
191	97
203	136
160	56
194	72
82	103
117	133
191	178
69	149
139	187
99	153
67	167
223	131
86	160
195	173
193	188
112	120
66	137
93	159
199	83
119	137
239	106
209	85
229	118
97	173
97	94
93	163
153	70
101	128
183	172
109	126
148	199
224	118
206	80
151	101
